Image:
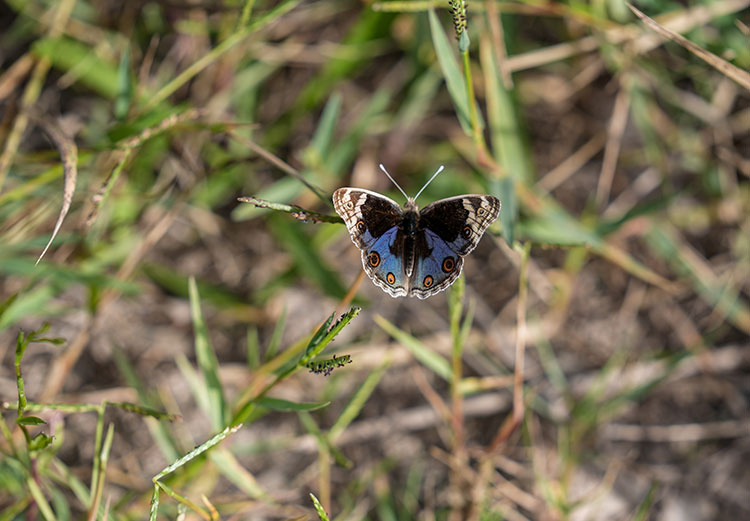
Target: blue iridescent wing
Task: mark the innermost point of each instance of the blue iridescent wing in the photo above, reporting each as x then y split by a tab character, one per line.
436	265
448	230
384	263
373	223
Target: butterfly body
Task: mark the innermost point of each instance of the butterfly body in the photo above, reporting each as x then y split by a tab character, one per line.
406	251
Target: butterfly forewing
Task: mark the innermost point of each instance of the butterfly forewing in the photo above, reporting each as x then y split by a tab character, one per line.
460	221
365	222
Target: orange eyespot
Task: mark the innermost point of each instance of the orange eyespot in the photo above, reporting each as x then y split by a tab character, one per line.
361	228
349	205
481	211
373	259
449	264
427	281
466	232
390	278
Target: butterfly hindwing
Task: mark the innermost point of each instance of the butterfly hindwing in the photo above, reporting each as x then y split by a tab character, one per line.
383	261
436	265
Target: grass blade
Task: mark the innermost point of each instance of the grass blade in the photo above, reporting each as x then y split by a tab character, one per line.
454	80
200	449
207	361
237	474
421	352
277	404
69	155
357	402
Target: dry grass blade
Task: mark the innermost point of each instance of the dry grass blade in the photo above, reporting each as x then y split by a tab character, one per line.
680	433
571	164
14	74
498	41
614	143
720	64
69	155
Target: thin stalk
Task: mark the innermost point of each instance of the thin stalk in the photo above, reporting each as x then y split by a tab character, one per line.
456	304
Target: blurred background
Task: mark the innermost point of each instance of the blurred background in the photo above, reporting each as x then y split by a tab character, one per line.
592	362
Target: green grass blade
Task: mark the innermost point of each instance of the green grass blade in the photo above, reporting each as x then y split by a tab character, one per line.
253	348
319	508
421	352
277	404
357	402
419	99
28	304
345	149
507	136
200	449
324	443
91	70
41	500
454	79
231	469
196	384
321	141
455	308
100	471
325	334
644	509
551	366
4	305
275	341
207	361
299	213
154	510
320	333
281	192
124	86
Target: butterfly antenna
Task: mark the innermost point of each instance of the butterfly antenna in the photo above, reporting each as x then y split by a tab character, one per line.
394	181
428	182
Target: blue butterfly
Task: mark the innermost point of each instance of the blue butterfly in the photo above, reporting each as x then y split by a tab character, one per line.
406	251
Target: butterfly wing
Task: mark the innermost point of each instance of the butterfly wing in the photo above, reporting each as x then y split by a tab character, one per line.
448	230
373	223
436	265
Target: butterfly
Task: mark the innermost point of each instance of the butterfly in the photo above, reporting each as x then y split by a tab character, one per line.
406	251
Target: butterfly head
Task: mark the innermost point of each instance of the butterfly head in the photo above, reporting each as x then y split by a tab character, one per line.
410	205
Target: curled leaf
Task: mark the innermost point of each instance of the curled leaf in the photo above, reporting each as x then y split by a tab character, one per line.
69	155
